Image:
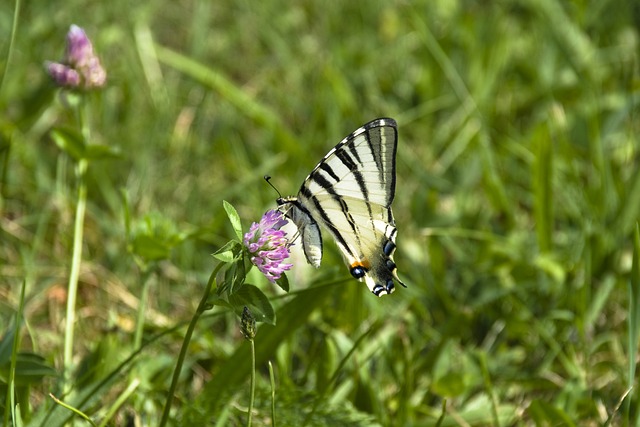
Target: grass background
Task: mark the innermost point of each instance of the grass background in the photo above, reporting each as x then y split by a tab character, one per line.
517	199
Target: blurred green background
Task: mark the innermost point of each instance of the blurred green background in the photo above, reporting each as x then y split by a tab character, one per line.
518	192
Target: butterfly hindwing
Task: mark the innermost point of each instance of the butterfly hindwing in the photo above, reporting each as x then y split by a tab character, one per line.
350	193
308	229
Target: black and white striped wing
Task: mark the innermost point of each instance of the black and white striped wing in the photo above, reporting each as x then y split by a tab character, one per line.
350	193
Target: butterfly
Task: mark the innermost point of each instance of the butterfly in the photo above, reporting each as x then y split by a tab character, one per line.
349	193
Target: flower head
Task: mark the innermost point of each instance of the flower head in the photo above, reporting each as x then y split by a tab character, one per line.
267	245
81	67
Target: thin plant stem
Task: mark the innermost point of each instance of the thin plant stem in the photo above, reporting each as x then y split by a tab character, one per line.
3	76
10	401
73	409
142	307
273	395
253	382
202	307
75	270
12	39
131	388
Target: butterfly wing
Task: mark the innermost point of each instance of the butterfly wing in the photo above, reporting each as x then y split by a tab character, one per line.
350	193
307	228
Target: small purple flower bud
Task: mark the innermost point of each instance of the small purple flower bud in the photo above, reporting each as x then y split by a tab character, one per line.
94	75
79	47
248	324
268	245
81	68
63	75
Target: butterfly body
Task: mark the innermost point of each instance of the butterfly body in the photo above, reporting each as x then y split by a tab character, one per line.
350	193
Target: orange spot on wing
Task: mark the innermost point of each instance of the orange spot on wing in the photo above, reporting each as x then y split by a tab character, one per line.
364	264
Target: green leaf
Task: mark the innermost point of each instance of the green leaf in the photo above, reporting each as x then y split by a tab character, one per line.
101	152
283	282
256	301
70	141
234	218
234	276
150	248
220	301
229	252
154	236
5	346
30	369
239	276
450	384
544	413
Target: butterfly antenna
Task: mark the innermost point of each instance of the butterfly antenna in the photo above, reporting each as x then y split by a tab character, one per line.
267	178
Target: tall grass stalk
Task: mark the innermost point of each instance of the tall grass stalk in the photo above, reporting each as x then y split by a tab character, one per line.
5	153
631	409
11	391
12	39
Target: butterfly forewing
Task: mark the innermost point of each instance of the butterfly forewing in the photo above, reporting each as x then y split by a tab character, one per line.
350	193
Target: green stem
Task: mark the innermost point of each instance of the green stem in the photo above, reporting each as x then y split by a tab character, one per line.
273	395
75	270
10	398
142	307
76	257
253	381
12	43
3	75
73	409
185	343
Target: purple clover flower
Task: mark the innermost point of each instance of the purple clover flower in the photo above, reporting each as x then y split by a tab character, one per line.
81	67
267	245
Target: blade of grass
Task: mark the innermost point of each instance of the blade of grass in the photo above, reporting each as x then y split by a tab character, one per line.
12	39
634	326
10	398
542	179
496	188
486	376
120	401
150	65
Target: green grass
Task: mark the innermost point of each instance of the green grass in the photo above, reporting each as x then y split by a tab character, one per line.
518	197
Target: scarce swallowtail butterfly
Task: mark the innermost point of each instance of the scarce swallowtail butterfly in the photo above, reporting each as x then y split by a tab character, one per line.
349	193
